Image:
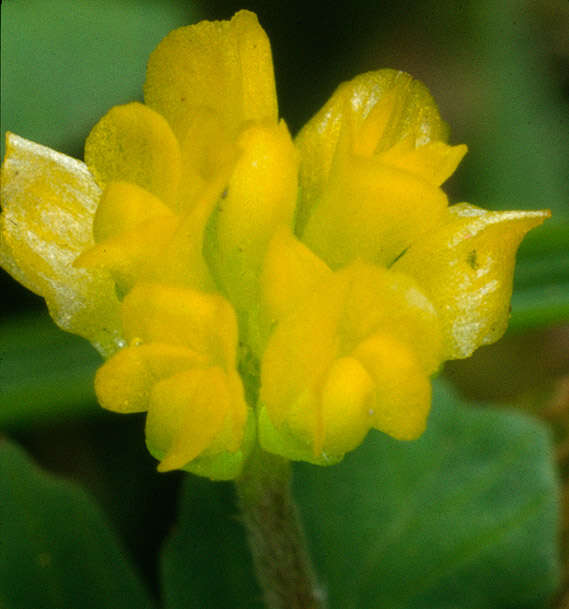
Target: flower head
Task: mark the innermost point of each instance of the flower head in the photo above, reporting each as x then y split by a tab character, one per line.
242	285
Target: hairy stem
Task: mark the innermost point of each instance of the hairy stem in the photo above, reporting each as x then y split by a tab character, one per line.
275	535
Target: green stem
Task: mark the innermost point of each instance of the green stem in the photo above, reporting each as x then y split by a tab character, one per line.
275	535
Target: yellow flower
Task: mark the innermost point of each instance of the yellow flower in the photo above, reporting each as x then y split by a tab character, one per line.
243	286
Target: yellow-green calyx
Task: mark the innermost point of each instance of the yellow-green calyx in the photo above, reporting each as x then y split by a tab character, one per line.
245	287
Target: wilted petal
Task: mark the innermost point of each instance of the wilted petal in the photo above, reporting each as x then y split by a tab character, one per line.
48	204
466	267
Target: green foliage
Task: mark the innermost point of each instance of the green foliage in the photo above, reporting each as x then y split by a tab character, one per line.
58	552
464	517
541	287
64	66
46	373
206	562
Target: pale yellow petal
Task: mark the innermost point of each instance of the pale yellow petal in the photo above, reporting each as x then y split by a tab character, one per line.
133	143
48	204
224	66
466	267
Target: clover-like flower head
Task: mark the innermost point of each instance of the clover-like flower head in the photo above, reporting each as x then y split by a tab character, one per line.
247	288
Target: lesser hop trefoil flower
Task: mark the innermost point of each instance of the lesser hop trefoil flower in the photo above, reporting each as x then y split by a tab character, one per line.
247	288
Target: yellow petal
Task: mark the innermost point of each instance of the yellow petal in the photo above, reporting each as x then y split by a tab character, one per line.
402	389
165	248
291	272
381	300
133	143
186	413
123	384
281	441
48	203
300	351
344	310
208	150
183	259
122	207
372	211
205	323
374	111
135	255
347	408
326	377
261	197
434	162
226	465
225	66
238	417
466	268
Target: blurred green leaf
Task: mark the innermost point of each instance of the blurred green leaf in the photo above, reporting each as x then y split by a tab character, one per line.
58	551
519	147
44	372
464	517
64	64
541	287
206	562
539	306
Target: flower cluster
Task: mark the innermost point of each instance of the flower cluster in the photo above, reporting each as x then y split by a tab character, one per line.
245	287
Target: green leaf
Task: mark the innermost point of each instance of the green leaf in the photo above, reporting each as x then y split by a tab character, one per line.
64	66
58	552
519	153
206	561
541	287
465	517
45	373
